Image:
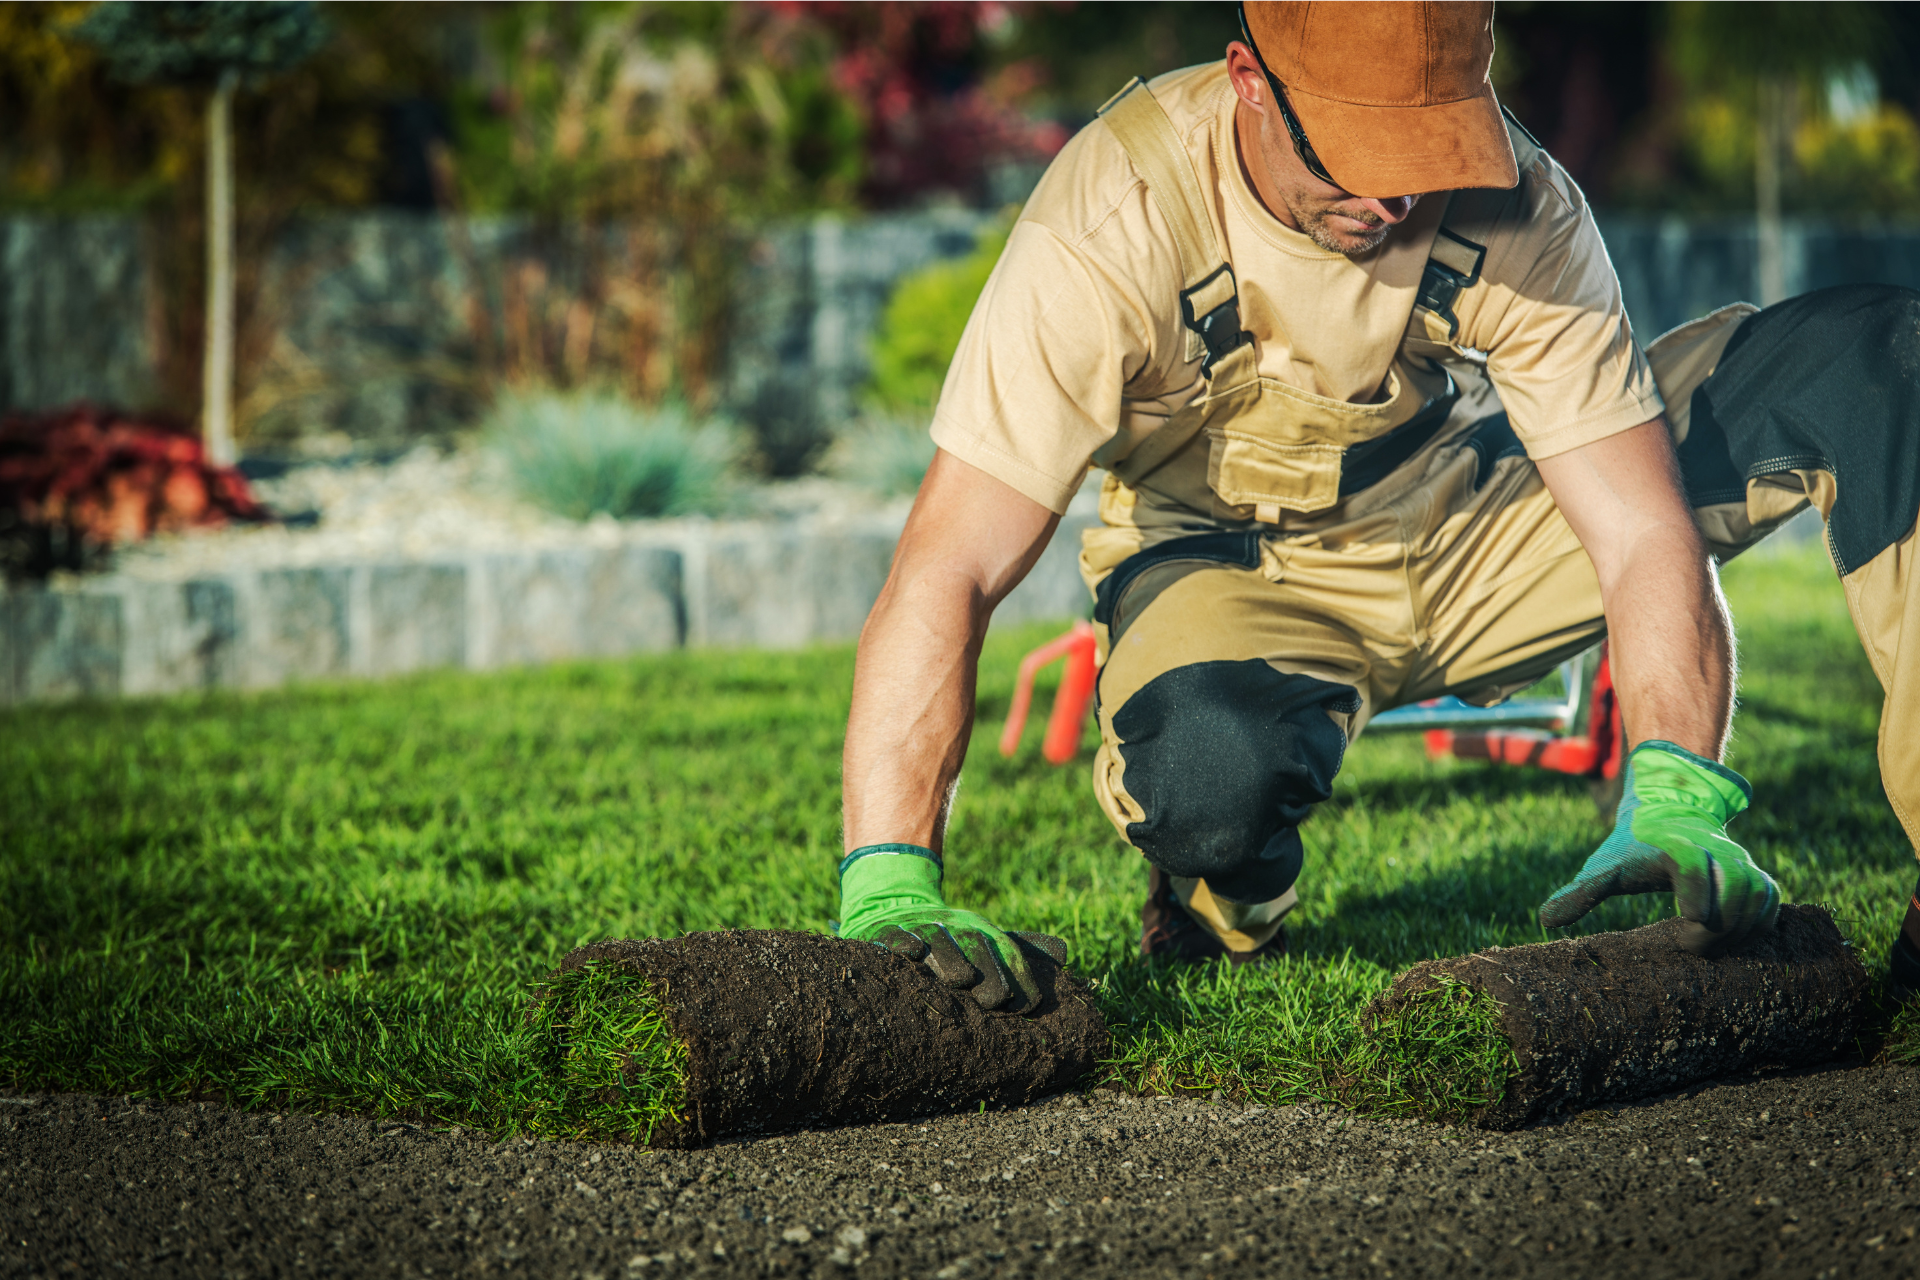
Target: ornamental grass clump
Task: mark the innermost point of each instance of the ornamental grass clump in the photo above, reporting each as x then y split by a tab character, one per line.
888	456
588	453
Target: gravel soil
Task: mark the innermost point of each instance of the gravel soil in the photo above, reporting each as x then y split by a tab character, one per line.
1807	1174
431	504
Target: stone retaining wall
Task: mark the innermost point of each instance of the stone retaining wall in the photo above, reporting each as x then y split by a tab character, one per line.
763	585
371	307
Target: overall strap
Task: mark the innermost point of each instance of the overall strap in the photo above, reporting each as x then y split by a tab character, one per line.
1209	294
1454	262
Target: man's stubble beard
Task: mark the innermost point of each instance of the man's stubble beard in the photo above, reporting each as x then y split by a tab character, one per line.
1311	218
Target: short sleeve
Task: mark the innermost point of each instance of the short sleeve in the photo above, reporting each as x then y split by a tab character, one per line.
1035	386
1554	328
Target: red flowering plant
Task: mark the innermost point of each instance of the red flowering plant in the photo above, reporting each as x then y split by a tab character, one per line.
75	481
937	117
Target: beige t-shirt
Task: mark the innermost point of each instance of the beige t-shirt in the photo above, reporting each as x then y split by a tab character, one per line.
1076	351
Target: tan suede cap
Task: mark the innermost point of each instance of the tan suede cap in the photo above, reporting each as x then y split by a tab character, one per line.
1393	96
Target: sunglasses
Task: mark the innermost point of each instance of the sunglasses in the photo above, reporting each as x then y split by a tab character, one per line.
1301	147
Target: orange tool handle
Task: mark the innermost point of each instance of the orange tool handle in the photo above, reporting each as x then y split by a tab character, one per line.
1069	704
1595	754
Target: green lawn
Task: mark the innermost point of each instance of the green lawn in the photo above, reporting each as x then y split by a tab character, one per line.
339	895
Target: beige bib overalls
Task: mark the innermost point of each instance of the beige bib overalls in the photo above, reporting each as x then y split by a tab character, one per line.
1401	549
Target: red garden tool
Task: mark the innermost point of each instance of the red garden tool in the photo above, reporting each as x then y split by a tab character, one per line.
1070	704
1531	731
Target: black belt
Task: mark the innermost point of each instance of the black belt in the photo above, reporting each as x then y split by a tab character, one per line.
1366	464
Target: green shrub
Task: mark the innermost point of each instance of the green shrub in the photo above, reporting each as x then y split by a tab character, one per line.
920	329
579	454
887	455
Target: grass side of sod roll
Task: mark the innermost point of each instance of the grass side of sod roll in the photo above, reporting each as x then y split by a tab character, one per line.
342	896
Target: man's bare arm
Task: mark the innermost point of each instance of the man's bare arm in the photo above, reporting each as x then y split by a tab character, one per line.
1672	642
1672	654
969	541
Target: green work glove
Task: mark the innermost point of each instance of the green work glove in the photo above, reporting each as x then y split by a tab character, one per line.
890	896
1670	833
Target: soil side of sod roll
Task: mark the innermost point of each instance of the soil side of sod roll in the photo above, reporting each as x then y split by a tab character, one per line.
1618	1016
787	1030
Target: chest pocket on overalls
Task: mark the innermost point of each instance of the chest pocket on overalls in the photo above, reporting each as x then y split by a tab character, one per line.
1277	448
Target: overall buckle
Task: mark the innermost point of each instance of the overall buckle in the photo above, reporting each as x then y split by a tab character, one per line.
1454	264
1212	310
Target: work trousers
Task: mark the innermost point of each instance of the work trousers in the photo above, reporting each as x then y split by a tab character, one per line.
1238	664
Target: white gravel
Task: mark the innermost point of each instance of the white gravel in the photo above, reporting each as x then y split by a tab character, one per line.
431	504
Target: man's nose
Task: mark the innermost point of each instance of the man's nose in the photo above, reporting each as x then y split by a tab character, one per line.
1391	210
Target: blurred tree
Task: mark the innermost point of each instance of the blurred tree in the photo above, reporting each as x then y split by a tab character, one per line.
215	45
1768	63
1580	76
1064	59
78	138
604	109
73	138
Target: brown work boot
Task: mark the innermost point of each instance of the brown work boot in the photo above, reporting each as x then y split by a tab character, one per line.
1167	930
1903	964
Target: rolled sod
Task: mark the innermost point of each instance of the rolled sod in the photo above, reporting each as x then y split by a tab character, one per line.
1618	1016
674	1042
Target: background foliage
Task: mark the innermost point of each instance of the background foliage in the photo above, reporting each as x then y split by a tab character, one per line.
921	327
644	143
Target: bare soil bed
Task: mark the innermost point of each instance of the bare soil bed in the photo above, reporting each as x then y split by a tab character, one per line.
1807	1174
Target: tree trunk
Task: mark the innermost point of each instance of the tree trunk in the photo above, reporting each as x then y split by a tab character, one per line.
217	378
1774	132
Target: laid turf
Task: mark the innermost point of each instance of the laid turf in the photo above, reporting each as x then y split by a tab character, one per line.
340	896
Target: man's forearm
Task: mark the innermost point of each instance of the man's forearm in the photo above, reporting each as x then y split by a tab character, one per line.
1671	644
1671	640
913	688
969	541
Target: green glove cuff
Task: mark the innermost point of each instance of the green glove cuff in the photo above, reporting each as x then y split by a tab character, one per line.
869	850
1663	771
881	880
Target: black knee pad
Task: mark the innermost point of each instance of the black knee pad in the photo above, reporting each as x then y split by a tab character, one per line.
1225	759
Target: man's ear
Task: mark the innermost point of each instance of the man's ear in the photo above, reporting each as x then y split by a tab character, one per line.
1249	82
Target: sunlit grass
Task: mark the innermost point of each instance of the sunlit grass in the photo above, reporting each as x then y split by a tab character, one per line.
616	1068
341	896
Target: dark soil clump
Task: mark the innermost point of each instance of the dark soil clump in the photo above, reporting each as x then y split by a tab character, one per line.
1619	1016
794	1029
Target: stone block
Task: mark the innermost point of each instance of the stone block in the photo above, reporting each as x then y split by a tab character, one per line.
633	602
545	606
179	636
293	625
845	573
415	617
74	310
780	587
60	644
